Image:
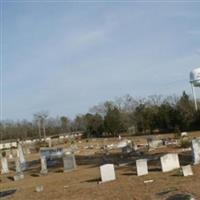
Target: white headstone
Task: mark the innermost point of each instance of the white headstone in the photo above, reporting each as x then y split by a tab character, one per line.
107	172
120	137
10	156
14	144
155	143
183	134
7	145
44	169
142	168
122	144
187	170
169	162
4	165
196	150
27	150
49	142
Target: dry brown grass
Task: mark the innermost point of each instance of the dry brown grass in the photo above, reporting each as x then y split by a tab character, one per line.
82	183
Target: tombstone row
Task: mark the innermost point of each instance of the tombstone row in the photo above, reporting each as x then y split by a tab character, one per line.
169	162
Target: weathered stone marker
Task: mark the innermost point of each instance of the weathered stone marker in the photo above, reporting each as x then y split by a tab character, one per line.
187	170
49	142
69	161
4	165
127	149
107	172
196	151
142	168
169	162
51	153
155	143
21	157
19	173
44	169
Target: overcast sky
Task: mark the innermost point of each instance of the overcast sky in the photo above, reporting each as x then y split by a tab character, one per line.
66	57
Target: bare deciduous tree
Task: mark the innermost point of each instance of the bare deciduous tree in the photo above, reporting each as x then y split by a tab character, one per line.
40	118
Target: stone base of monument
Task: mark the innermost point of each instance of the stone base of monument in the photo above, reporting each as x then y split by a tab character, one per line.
24	166
44	172
187	170
69	162
18	176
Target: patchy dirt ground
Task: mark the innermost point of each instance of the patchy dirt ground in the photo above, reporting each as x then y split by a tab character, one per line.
82	183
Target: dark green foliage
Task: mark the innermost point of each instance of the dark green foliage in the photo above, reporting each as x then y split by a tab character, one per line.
112	121
145	116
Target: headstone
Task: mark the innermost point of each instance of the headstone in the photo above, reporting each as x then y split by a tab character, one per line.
196	151
183	134
4	165
142	168
19	173
44	169
122	144
127	149
21	157
49	142
51	153
27	150
187	170
10	156
120	137
107	172
14	144
69	161
39	188
155	143
7	145
169	162
135	147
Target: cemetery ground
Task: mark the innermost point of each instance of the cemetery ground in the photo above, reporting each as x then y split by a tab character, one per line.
83	183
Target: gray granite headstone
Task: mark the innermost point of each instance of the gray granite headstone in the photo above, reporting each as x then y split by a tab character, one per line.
51	153
196	150
44	169
127	149
21	157
4	165
19	173
69	161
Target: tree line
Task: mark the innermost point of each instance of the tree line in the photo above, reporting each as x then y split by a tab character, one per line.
154	114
